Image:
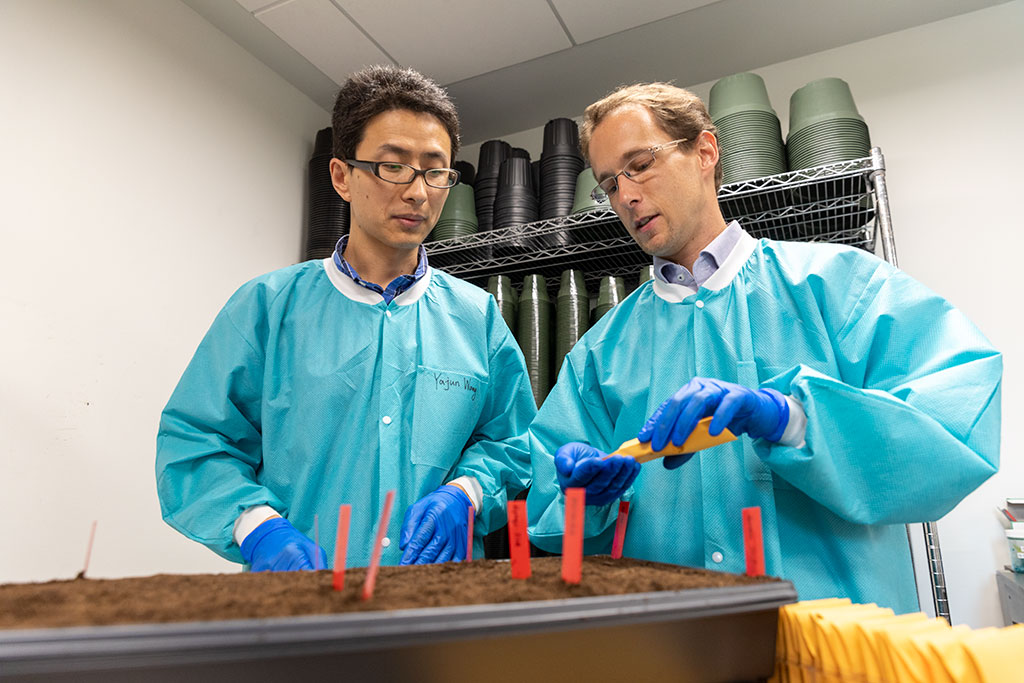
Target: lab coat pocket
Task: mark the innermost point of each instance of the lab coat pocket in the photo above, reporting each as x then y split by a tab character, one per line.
753	467
445	415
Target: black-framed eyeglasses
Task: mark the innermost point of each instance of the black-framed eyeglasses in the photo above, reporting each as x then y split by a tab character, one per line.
636	166
403	174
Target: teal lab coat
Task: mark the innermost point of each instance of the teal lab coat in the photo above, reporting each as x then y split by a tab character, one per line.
901	393
302	397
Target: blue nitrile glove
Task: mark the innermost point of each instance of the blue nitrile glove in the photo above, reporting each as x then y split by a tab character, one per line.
435	527
277	546
580	465
758	413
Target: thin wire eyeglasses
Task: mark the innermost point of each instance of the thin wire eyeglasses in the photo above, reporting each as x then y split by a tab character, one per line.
638	164
403	174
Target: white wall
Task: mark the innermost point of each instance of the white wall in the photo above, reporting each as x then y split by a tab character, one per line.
149	167
945	103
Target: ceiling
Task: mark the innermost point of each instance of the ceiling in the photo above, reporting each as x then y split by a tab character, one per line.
511	66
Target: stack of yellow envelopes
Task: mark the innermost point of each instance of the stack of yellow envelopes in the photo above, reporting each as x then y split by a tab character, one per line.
834	640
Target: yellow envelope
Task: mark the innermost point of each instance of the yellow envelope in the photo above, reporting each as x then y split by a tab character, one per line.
867	659
818	643
803	636
697	441
953	658
995	653
900	661
834	652
822	636
788	640
925	644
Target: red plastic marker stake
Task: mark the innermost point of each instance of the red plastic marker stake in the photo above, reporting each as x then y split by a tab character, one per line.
341	546
620	529
572	539
518	541
382	530
316	540
88	551
753	542
469	539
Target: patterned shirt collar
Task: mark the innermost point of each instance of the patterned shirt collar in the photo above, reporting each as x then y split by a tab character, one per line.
395	287
709	260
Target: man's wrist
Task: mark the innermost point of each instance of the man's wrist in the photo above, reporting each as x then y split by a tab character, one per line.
796	430
250	519
471	487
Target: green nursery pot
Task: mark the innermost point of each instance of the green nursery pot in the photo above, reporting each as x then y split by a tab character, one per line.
500	287
572	314
534	334
612	291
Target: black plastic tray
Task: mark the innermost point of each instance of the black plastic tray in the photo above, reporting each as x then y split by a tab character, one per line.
710	634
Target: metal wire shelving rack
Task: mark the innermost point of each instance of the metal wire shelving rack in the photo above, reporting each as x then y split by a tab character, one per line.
844	203
594	242
836	203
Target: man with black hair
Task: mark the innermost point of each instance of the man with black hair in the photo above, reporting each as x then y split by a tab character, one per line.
336	381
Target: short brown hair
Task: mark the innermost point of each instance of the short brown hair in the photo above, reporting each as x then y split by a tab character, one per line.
377	89
679	113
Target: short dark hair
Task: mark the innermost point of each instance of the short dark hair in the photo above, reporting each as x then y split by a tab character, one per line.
377	89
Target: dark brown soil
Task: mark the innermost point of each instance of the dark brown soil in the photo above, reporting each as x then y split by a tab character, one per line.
207	597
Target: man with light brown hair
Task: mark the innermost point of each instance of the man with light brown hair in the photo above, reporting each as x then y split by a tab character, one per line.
863	401
680	113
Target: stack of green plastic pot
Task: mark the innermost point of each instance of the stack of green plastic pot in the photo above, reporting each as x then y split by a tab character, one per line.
534	334
646	273
749	133
572	313
500	287
612	291
458	217
585	184
825	126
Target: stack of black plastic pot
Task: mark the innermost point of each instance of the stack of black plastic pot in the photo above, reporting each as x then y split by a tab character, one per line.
328	216
560	165
516	202
485	186
467	174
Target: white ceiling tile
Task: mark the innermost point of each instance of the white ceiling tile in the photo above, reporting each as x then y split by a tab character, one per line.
324	36
685	48
253	5
450	40
587	20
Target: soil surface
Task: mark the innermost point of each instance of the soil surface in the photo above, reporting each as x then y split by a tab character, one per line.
210	597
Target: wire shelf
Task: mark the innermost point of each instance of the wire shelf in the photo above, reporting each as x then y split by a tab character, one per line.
832	203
